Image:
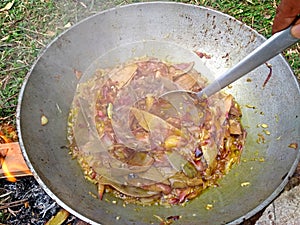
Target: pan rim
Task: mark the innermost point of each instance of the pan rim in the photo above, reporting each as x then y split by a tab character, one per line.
74	212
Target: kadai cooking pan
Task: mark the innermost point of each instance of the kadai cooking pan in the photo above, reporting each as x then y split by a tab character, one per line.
173	32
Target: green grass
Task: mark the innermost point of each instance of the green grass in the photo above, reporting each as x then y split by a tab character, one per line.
29	25
23	34
257	14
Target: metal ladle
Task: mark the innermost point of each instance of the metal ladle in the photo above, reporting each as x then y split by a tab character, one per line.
270	48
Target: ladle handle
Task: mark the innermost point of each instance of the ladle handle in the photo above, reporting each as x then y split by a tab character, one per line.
270	48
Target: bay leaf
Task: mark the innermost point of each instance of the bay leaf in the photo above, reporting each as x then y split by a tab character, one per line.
151	122
124	75
210	153
128	190
186	81
176	160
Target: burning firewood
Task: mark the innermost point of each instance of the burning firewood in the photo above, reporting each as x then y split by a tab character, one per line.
12	163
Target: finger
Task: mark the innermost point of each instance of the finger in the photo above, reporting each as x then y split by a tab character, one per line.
295	31
281	23
286	13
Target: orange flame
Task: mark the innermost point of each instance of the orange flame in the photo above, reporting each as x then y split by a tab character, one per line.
9	176
12	163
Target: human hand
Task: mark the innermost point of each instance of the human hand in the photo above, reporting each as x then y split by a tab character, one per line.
286	14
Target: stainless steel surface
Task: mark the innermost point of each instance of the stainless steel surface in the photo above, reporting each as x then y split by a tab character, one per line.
270	48
170	31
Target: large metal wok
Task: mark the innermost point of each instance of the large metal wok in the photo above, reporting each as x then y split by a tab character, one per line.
169	31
